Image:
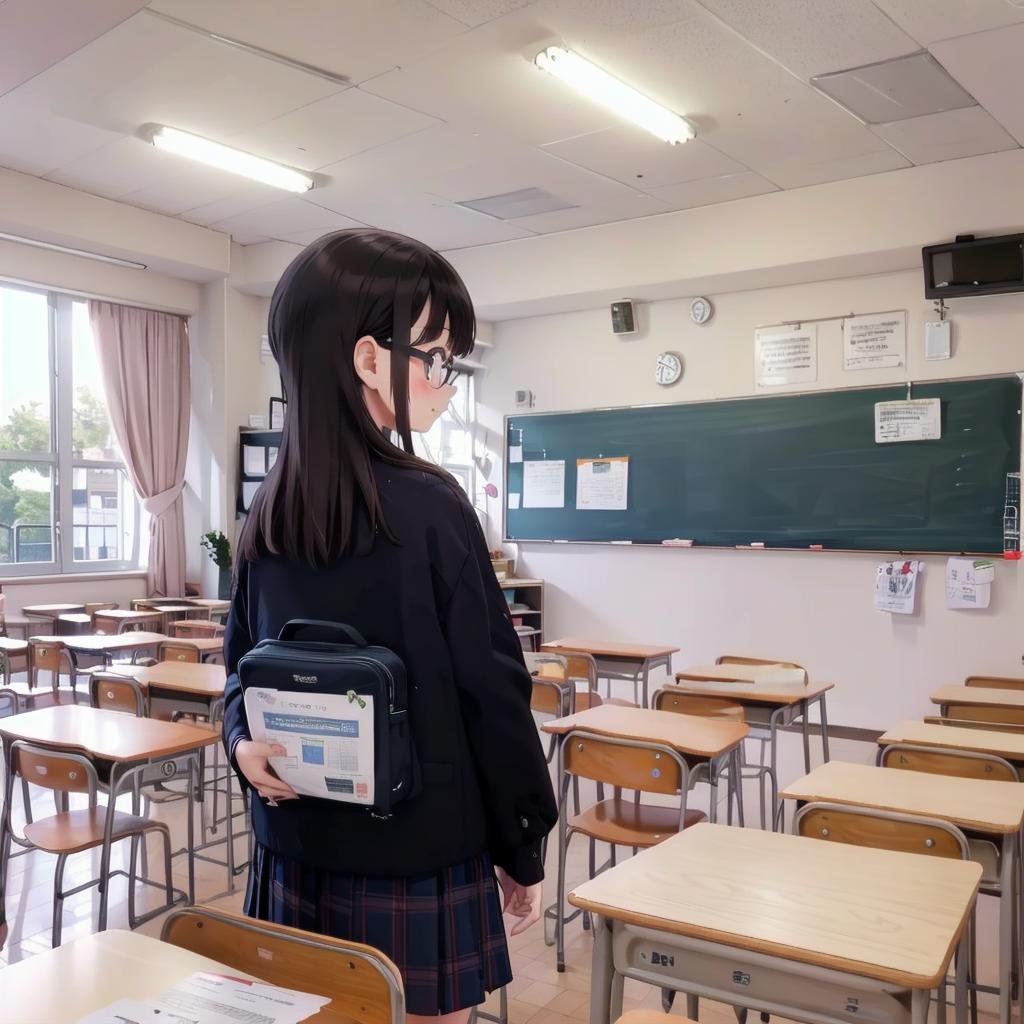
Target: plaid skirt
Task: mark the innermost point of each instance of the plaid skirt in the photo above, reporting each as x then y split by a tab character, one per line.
442	929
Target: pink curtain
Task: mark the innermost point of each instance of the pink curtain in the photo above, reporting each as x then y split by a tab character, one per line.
145	360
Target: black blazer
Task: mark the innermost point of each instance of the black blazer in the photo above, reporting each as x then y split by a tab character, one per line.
433	599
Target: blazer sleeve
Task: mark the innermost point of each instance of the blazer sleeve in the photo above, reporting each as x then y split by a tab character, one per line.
494	689
237	642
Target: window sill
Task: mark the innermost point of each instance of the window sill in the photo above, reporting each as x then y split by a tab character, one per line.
72	577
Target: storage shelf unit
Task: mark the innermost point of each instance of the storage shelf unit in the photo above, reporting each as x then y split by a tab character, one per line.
529	595
257	450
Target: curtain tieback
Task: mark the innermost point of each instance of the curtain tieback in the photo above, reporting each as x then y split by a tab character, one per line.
156	505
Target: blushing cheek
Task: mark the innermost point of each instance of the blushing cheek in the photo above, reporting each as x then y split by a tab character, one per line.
425	403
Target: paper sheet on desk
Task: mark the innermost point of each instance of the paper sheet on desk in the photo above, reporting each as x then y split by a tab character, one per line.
327	741
213	999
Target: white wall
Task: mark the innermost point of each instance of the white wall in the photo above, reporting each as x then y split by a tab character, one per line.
814	608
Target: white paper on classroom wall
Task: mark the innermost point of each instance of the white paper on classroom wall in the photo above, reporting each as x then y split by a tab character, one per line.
785	355
513	501
515	453
602	483
896	586
969	582
544	483
875	340
916	419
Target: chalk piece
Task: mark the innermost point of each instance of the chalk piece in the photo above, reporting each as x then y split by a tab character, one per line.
561	542
757	543
622	542
817	547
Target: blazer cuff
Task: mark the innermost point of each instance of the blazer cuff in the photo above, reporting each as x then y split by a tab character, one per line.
523	864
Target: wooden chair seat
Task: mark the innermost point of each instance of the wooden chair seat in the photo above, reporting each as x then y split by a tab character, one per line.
592	699
628	824
652	1017
74	831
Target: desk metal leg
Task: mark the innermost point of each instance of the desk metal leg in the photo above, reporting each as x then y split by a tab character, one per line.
805	727
601	972
920	998
5	837
1007	915
778	823
824	727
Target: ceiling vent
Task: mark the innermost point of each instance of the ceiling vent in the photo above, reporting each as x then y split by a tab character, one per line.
524	203
894	90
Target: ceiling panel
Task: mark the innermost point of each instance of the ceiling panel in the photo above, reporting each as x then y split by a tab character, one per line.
931	20
311	235
357	38
949	135
990	67
714	190
283	217
184	190
332	129
146	70
796	174
477	12
813	37
628	206
35	34
637	158
588	21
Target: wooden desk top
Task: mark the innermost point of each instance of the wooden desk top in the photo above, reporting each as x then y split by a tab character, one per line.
107	735
203	644
782	694
98	643
62	985
12	646
978	804
728	673
702	737
201	680
893	917
1009	745
215	605
979	696
604	649
128	614
51	610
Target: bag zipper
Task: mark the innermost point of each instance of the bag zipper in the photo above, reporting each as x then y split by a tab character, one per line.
376	665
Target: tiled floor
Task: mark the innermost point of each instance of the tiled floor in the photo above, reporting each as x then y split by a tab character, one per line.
538	995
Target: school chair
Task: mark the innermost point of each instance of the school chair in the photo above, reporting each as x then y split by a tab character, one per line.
582	668
113	692
55	659
75	831
363	985
184	629
623	764
551	696
169	651
967	765
995	682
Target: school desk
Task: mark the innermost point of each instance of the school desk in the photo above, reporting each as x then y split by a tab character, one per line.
1007	745
216	608
992	809
208	647
51	612
142	749
16	623
113	620
765	707
779	924
107	644
989	704
11	692
632	662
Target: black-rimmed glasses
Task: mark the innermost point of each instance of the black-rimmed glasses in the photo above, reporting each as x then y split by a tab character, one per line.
438	365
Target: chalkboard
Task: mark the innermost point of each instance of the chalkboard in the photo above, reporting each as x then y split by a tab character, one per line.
785	471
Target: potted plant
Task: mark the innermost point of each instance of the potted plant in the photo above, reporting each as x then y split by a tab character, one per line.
219	549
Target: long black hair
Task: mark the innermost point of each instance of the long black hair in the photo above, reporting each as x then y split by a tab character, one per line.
345	286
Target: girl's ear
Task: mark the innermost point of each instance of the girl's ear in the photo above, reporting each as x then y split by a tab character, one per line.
367	362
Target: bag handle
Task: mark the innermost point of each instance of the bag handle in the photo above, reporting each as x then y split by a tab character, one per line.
317	630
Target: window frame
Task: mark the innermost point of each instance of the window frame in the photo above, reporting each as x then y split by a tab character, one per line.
60	458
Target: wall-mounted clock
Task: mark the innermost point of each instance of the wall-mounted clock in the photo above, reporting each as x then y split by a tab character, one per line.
701	310
669	368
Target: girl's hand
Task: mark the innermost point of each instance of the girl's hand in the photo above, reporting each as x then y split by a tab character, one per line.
522	901
252	762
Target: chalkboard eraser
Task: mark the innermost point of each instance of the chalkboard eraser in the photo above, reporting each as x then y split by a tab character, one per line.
678	542
816	547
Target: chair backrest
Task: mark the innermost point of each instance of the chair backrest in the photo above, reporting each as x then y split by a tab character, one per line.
702	707
996	715
548	698
995	682
184	628
117	693
362	983
881	830
536	662
179	652
583	666
629	764
91	608
54	769
46	656
963	764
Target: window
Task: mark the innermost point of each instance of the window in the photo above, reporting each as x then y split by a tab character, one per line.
452	443
59	460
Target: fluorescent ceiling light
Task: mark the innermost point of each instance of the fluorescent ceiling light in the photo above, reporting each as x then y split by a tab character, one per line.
53	247
614	95
234	161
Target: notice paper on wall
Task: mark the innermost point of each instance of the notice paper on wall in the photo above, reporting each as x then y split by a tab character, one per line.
515	453
213	999
544	483
602	483
969	582
916	419
785	355
896	586
875	340
513	501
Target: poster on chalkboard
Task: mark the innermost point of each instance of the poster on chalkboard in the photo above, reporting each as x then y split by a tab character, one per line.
544	483
785	355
